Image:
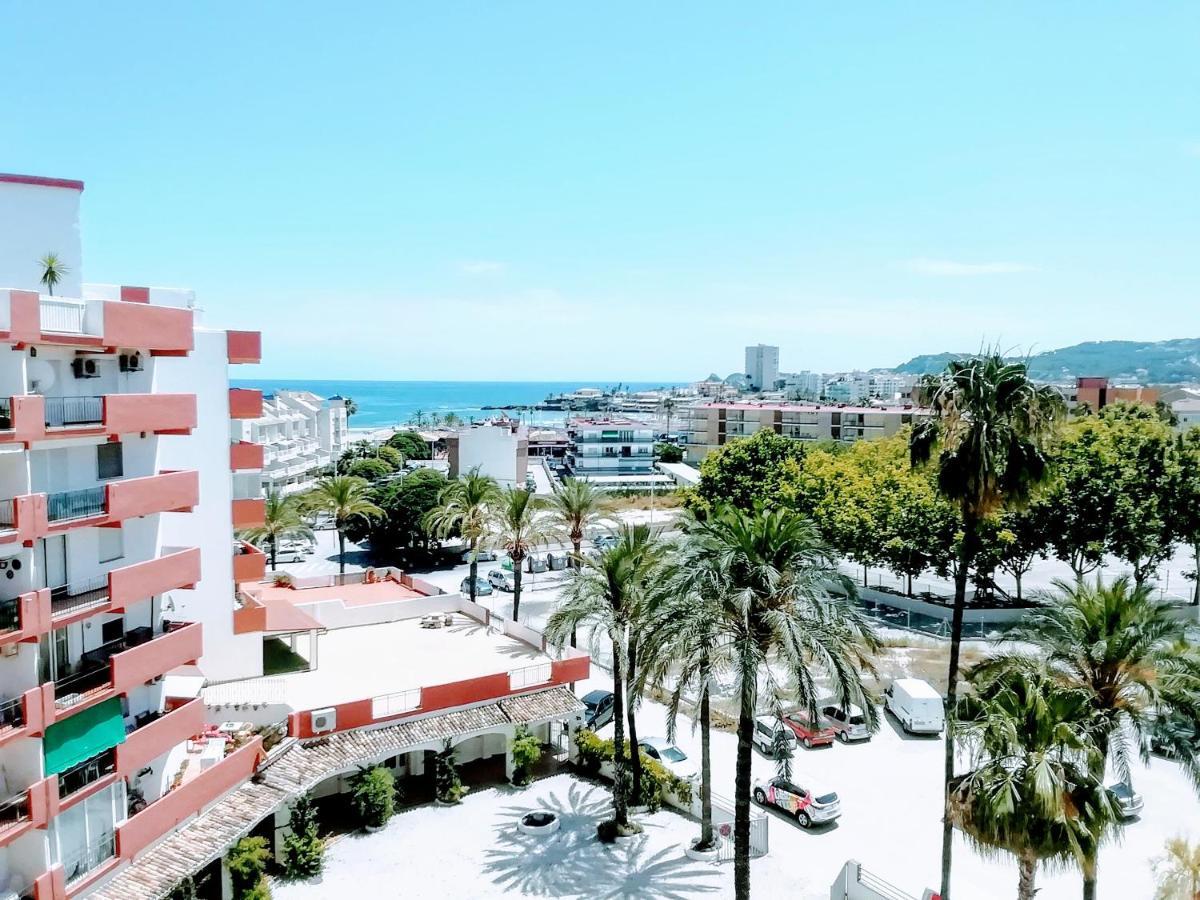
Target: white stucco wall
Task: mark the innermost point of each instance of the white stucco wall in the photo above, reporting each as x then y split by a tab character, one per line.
493	448
36	220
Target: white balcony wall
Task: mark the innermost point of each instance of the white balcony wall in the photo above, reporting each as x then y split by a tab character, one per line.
23	765
12	370
51	375
14	472
18	673
73	465
34	220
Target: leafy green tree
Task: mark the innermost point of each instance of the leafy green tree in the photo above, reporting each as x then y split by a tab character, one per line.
373	795
604	594
410	444
390	455
1128	653
281	522
987	432
405	505
526	750
517	525
668	453
1024	539
1031	790
462	506
53	271
778	621
247	865
303	849
1185	500
1079	499
747	471
368	469
447	783
346	500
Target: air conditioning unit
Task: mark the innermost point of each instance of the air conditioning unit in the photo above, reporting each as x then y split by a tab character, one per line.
130	362
85	367
321	720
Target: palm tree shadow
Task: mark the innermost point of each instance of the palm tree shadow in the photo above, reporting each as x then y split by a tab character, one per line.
572	862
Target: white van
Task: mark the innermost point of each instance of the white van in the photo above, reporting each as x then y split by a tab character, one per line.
916	705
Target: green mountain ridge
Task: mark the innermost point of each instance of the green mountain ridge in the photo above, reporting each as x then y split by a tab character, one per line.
1175	361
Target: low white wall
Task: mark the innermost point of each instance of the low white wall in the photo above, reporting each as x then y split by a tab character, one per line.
935	611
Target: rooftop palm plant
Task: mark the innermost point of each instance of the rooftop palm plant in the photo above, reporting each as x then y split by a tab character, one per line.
281	520
778	619
1031	791
463	506
987	435
603	595
1128	654
518	527
53	271
344	498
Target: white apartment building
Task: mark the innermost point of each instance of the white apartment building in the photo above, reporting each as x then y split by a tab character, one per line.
805	385
610	447
499	451
117	509
762	367
301	435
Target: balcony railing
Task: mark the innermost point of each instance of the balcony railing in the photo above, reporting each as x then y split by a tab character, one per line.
87	772
65	316
6	421
15	809
79	596
12	713
78	865
80	504
93	672
10	615
66	412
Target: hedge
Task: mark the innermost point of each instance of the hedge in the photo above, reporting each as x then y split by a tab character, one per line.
657	780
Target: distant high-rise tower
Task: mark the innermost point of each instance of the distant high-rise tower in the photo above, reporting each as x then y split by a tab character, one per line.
762	366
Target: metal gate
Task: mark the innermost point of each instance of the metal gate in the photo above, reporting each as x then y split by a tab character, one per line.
723	815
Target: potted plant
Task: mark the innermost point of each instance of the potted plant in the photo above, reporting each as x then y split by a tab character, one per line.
448	786
526	751
303	849
247	864
373	796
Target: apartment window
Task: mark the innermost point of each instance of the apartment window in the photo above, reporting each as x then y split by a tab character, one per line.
112	543
112	630
110	460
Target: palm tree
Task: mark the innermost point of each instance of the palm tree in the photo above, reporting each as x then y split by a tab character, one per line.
602	594
417	418
1178	871
452	420
1031	791
345	498
53	271
668	405
1130	655
463	505
989	427
518	528
281	520
774	574
576	506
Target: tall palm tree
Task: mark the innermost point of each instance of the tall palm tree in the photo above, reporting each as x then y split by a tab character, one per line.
989	425
778	619
518	527
345	498
668	405
576	506
603	594
53	271
1177	871
463	505
1031	791
1130	655
281	520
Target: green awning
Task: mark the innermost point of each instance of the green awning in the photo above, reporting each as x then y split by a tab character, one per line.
83	735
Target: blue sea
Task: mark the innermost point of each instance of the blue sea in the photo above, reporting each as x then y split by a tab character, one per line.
385	403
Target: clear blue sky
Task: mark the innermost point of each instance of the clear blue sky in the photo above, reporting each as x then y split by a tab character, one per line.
626	190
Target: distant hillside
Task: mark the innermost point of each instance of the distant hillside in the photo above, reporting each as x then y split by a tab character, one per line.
1148	362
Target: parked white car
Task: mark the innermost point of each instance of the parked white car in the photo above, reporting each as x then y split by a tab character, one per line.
674	759
849	722
916	705
770	733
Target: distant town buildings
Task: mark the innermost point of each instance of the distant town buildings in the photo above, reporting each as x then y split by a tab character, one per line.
301	435
762	367
614	452
1097	393
712	425
498	450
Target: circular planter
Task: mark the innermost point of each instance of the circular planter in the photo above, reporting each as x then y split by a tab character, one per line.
372	829
540	822
702	855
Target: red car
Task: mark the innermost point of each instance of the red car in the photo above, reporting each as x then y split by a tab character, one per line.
810	735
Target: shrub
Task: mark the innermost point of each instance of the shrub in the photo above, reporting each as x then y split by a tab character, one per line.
370	469
391	456
185	890
669	453
282	580
606	831
447	784
657	780
526	751
247	863
373	795
591	751
303	849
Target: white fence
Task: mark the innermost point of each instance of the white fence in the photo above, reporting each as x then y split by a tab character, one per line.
723	815
529	676
63	316
856	883
395	703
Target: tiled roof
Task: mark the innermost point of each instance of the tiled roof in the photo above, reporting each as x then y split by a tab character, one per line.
297	768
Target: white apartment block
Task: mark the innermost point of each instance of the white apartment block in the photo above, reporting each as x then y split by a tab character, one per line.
610	447
805	385
499	451
762	367
301	435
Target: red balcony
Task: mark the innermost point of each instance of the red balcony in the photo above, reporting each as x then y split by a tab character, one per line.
171	571
249	563
164	492
163	330
143	745
26	617
152	413
244	346
31	808
160	817
249	513
27	318
30	417
245	456
245	403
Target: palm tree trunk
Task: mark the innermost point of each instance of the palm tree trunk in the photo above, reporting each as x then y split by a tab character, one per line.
706	829
516	587
274	543
741	801
620	808
635	755
473	573
575	564
966	552
341	552
1089	883
1026	878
